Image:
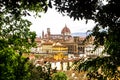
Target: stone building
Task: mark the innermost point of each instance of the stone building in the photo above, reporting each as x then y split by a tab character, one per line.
65	43
65	35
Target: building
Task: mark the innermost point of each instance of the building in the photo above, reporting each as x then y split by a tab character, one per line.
46	47
59	48
65	43
38	46
65	35
90	50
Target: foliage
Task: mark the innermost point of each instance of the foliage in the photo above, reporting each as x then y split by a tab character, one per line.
59	76
106	32
16	37
43	72
13	66
38	73
22	7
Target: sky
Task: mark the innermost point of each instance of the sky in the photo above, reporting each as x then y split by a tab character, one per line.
56	22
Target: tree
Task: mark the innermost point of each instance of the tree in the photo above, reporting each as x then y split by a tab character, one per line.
59	76
16	37
106	32
42	72
39	73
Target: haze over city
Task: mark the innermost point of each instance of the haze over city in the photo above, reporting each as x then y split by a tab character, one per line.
56	21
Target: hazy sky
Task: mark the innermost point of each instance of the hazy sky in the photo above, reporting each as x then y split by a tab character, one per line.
56	22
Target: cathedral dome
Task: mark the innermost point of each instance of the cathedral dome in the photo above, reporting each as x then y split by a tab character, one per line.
65	31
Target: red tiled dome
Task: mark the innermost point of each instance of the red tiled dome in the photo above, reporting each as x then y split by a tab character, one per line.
65	30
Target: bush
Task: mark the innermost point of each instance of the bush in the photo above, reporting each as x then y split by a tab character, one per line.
59	76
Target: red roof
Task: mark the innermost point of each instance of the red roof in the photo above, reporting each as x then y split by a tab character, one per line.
65	30
47	43
37	39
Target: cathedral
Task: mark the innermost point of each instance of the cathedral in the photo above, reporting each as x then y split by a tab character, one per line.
64	36
53	43
64	43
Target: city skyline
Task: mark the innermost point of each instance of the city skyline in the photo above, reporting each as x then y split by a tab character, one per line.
56	22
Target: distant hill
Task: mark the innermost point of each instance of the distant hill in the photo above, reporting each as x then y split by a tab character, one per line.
82	34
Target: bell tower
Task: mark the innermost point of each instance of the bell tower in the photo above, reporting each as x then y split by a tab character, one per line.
43	35
48	33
